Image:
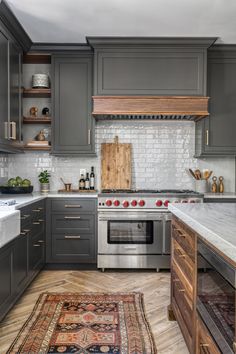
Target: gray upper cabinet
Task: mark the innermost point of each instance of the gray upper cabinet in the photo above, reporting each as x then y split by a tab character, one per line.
215	136
73	125
150	66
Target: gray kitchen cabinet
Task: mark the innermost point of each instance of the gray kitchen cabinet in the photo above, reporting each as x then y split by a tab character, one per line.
71	231
215	135
22	258
73	125
150	66
10	90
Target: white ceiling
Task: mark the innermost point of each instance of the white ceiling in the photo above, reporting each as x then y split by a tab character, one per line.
72	20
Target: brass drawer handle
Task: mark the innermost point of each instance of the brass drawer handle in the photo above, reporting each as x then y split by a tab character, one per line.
25	217
181	290
72	206
176	280
182	256
40	220
40	209
71	217
36	223
207	137
36	210
37	245
23	233
203	345
68	237
40	241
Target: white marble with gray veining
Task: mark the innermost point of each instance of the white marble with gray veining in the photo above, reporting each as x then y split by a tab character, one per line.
226	195
9	225
214	222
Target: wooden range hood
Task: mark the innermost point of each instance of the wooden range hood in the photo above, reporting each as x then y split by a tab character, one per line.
150	107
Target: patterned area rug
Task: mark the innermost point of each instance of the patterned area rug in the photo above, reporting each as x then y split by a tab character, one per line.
84	323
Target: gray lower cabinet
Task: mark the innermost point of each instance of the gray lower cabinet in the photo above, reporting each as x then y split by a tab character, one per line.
22	258
73	125
215	136
71	230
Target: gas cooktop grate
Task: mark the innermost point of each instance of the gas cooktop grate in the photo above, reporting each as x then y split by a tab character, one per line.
151	191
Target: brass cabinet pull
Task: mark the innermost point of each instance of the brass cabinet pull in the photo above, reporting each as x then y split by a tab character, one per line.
207	137
40	241
37	245
40	220
182	255
25	217
36	223
176	280
23	233
26	230
72	206
71	217
40	209
71	237
89	136
203	345
36	210
181	290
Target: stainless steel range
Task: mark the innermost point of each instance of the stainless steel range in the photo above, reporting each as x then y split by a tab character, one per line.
134	227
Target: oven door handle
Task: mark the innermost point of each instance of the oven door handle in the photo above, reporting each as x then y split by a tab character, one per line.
130	218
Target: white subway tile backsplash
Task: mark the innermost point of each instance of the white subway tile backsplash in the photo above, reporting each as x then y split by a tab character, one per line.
161	154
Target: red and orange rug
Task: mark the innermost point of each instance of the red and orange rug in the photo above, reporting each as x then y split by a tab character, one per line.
84	323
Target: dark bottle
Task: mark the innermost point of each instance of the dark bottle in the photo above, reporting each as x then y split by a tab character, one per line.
92	179
82	183
87	184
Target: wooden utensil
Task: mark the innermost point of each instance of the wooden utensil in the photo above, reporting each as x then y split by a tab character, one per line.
197	174
115	165
192	173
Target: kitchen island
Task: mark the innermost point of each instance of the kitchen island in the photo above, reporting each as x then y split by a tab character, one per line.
203	268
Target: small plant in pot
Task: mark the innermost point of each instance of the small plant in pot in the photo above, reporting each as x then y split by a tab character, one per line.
44	181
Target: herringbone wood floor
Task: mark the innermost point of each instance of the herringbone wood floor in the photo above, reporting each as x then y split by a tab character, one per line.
155	286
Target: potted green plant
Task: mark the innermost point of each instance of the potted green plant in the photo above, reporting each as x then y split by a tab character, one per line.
44	181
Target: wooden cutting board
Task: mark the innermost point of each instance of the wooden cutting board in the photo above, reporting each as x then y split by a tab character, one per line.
115	165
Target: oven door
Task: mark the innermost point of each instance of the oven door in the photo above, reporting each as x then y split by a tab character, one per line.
130	233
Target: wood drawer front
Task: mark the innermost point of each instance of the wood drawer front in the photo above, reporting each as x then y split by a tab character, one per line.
73	248
185	238
205	342
183	260
78	223
180	283
74	205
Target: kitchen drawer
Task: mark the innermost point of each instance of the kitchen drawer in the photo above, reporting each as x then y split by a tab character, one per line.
74	205
73	248
205	342
184	262
185	237
36	251
188	293
78	223
180	294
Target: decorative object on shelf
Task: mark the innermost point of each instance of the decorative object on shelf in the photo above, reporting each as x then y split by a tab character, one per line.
44	181
201	186
45	111
40	81
40	136
214	184
221	184
33	111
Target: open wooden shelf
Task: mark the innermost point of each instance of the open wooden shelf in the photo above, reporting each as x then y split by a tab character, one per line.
36	92
37	148
36	59
38	120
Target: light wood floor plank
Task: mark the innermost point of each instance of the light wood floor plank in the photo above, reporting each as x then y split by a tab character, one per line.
155	286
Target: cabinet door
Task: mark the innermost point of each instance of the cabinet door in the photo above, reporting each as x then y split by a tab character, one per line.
15	96
5	278
20	263
3	86
36	252
216	134
73	126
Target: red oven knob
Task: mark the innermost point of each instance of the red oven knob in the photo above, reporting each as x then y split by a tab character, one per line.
108	202
192	201
141	203
159	203
134	203
116	203
166	203
125	204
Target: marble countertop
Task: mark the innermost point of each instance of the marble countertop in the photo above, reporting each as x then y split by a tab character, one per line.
214	222
227	195
26	199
